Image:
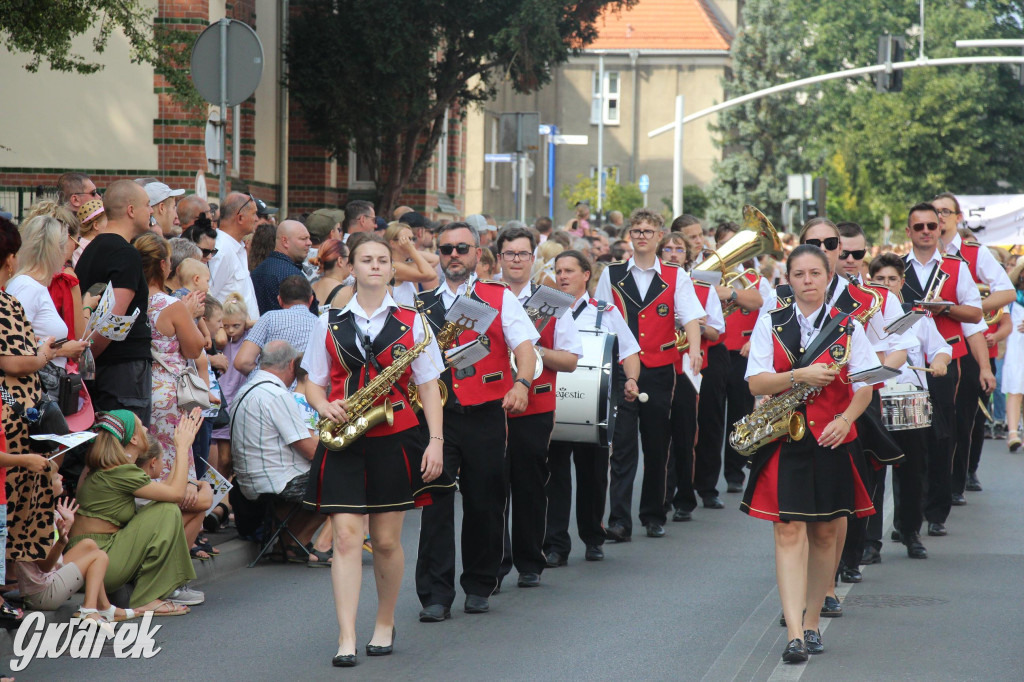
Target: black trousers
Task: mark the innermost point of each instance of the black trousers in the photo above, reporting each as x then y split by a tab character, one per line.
908	484
711	417
474	451
966	413
977	434
652	420
679	489
739	403
591	461
856	529
941	443
528	440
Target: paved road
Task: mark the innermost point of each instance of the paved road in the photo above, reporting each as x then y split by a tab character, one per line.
699	604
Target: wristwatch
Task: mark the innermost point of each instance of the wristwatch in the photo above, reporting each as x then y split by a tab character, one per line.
524	382
732	296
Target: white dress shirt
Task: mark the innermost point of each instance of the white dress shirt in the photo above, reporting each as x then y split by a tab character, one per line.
715	319
966	289
611	321
229	273
989	270
567	336
927	343
317	363
686	304
516	325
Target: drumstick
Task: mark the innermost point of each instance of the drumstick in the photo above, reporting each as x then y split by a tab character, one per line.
642	397
921	369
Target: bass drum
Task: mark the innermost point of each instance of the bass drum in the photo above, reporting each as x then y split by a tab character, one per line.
584	412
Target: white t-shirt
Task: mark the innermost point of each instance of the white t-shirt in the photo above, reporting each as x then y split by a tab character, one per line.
39	310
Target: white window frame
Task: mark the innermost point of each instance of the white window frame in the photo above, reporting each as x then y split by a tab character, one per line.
441	175
608	98
353	168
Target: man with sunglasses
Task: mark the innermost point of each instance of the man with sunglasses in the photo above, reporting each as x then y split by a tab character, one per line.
229	266
958	323
985	269
654	298
74	189
480	397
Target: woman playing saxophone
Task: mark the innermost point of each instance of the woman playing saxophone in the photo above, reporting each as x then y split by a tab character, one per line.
387	470
806	485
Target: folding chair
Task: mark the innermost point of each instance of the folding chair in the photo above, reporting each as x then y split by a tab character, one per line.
275	527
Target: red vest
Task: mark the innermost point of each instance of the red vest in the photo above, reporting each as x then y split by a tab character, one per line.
969	252
739	324
950	329
652	323
542	390
491	377
702	289
834	398
349	370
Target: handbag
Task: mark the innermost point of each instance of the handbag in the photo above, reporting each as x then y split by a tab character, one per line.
191	391
45	417
61	386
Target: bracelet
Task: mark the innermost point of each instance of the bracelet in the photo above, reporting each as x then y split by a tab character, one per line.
843	417
192	483
87	308
631	379
437	438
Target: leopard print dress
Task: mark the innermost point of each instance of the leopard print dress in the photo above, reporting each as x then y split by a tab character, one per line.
30	500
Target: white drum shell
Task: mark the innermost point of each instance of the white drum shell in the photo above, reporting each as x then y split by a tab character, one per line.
584	412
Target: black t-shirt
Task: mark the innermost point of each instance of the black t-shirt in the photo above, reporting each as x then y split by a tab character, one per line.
109	258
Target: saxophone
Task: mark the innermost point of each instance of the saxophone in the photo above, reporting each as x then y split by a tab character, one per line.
362	414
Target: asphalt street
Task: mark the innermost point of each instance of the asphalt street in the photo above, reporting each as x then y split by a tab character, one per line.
699	604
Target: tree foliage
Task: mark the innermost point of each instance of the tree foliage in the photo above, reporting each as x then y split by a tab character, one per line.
624	197
378	77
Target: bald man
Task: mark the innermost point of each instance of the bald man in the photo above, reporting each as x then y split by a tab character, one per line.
400	211
229	267
123	368
285	260
189	209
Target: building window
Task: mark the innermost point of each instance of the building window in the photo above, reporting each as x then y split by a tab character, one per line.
358	172
611	173
442	157
612	84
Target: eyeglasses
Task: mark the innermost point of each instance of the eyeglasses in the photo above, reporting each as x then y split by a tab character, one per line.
247	202
516	255
828	243
945	212
94	193
462	247
857	254
637	234
917	227
209	253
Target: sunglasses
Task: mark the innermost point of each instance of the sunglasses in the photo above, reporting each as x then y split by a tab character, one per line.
209	253
828	243
917	227
857	255
94	193
462	247
247	202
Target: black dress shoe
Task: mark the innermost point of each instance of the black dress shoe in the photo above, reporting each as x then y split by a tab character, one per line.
435	613
812	642
713	503
594	553
476	604
973	484
870	556
681	515
958	500
734	488
850	575
374	650
655	530
344	661
795	652
555	559
529	580
831	608
617	533
915	550
896	536
936	530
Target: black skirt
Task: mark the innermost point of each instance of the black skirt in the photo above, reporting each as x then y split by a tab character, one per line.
371	476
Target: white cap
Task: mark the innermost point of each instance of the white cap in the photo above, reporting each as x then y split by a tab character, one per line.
480	223
158	192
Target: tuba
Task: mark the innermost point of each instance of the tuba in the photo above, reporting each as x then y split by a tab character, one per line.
538	319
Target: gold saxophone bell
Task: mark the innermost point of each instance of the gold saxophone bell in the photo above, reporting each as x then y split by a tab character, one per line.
797	426
338	436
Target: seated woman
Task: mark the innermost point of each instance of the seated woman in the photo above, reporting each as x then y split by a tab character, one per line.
47	583
148	545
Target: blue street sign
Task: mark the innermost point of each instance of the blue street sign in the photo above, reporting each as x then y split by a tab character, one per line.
644	183
499	158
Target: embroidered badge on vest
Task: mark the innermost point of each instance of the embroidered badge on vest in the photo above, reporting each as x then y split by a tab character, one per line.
838	352
485	341
398	350
663	309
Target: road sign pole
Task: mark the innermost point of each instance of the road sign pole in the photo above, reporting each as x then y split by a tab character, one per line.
677	161
222	185
645	199
600	136
551	172
522	186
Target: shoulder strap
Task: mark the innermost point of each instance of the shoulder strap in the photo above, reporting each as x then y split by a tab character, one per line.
821	339
601	307
334	292
238	401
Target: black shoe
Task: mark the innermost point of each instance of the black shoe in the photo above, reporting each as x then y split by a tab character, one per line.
344	661
870	556
655	530
795	652
374	650
681	515
594	553
554	560
713	502
435	613
812	639
958	500
973	484
896	536
529	580
617	533
915	550
936	530
476	604
734	488
849	575
832	608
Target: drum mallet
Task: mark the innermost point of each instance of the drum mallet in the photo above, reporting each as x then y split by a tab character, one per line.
642	397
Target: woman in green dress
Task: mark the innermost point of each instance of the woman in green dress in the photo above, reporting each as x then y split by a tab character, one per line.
148	545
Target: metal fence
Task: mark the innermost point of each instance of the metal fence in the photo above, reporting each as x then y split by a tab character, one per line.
17	200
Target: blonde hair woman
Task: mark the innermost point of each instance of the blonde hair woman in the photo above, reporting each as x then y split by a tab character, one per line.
544	265
63	286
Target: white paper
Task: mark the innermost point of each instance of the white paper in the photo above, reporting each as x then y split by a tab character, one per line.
104	322
221	486
695	379
471	314
550	302
875	375
68	441
712	277
904	323
466	355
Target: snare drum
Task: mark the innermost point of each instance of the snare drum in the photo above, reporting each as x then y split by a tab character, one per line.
584	412
905	407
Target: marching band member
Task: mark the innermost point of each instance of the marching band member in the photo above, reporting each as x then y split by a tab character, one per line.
653	298
984	269
529	432
474	433
925	266
805	487
382	472
573	272
887	270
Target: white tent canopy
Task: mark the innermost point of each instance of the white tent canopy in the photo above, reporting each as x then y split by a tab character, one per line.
994	218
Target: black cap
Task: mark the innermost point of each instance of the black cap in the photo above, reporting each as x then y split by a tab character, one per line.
414	219
380	223
262	209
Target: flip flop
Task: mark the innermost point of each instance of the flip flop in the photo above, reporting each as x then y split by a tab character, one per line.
194	553
175	609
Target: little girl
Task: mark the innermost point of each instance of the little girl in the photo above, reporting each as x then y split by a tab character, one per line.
235	315
213	318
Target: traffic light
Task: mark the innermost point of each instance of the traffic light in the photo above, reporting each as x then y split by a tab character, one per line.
815	206
890	49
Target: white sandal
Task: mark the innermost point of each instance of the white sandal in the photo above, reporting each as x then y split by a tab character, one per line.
102	622
111	614
1013	441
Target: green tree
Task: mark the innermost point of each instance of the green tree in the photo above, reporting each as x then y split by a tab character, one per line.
624	197
378	77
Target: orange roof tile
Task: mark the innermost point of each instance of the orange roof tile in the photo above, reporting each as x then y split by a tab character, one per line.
662	25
